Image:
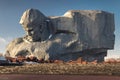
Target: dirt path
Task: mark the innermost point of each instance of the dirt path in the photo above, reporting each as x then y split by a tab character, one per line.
55	77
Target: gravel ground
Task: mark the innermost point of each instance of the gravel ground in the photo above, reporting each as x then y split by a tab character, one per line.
63	68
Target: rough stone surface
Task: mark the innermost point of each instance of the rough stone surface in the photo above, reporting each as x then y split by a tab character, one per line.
35	25
78	33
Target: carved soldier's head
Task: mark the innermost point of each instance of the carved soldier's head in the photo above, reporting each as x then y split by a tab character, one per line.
34	24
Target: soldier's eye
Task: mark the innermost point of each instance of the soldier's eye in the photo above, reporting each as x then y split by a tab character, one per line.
30	30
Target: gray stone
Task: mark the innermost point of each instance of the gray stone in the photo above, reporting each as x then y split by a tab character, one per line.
35	25
78	33
93	29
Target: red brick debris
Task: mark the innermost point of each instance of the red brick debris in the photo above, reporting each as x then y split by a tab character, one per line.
34	59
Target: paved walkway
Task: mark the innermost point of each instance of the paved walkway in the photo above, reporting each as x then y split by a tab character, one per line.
55	77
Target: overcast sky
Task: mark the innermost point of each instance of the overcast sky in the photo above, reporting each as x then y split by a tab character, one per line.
11	11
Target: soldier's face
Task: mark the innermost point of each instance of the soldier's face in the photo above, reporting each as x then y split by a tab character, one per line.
34	31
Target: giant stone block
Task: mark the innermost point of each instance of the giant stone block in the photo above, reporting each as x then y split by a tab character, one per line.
78	33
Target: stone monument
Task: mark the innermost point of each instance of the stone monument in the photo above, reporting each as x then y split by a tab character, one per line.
78	33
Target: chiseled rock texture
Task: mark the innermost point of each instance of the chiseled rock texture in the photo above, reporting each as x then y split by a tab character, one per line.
78	33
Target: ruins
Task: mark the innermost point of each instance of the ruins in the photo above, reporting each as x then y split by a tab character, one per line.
78	33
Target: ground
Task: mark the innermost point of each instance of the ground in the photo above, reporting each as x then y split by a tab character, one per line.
66	71
55	77
64	68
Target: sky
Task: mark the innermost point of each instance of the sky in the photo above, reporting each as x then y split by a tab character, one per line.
12	10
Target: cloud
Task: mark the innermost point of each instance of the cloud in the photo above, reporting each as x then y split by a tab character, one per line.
3	43
2	40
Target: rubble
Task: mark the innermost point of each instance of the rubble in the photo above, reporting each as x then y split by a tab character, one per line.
112	60
33	59
21	60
